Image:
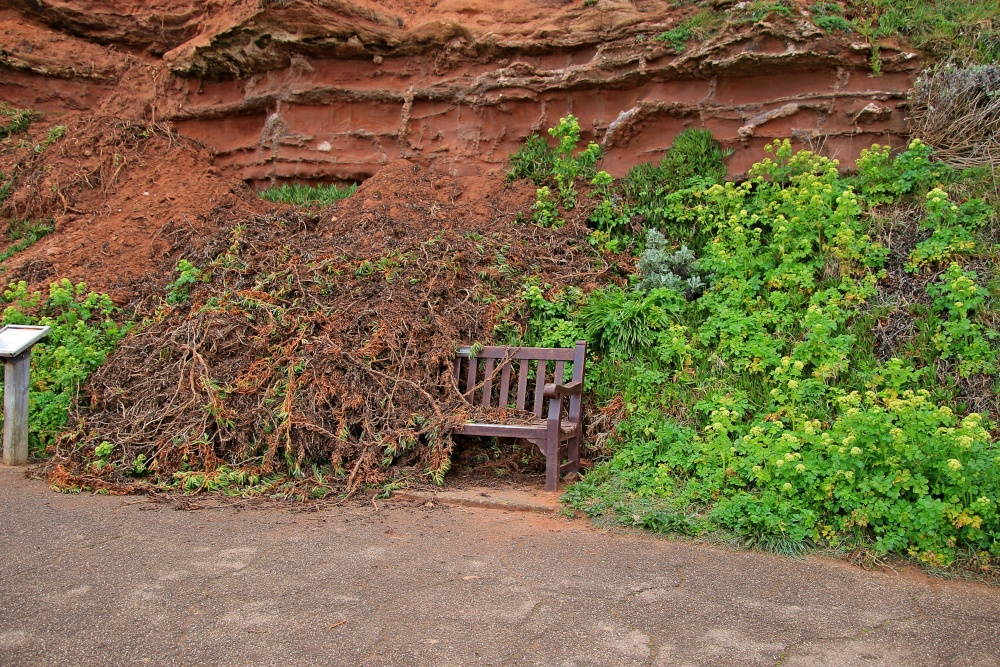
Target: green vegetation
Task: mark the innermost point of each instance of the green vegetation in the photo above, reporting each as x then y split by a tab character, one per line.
178	290
695	159
699	27
945	29
54	134
23	233
307	195
830	17
967	30
802	360
6	186
13	120
82	334
557	167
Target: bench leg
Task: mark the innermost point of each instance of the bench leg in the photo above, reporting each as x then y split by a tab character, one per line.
552	466
574	452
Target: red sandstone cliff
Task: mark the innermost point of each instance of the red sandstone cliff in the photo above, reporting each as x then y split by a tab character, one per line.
331	89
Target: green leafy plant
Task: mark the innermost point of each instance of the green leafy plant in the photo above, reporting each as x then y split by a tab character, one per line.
759	407
611	216
830	17
179	290
53	135
956	299
951	228
14	120
533	160
567	167
677	269
546	213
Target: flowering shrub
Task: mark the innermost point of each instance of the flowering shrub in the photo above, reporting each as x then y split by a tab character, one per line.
760	407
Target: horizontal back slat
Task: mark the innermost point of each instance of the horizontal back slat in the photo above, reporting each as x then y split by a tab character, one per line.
499	352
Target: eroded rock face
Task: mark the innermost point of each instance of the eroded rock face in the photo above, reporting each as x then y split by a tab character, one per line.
332	90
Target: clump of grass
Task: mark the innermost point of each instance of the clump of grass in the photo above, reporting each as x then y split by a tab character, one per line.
759	10
14	120
307	195
23	233
6	186
830	17
700	27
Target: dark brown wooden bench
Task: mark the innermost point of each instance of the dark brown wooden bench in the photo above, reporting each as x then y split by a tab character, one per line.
487	378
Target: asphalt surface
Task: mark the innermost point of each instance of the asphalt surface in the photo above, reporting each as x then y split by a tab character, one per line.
99	580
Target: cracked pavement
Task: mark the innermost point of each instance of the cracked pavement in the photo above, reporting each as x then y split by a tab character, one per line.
99	580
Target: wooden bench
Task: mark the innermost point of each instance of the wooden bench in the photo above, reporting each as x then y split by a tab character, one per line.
486	378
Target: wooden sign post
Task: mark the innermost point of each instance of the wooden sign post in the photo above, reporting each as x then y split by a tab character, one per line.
15	349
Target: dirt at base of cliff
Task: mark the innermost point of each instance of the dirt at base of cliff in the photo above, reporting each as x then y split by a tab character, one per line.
126	198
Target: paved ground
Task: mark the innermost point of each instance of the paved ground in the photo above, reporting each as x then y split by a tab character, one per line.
94	580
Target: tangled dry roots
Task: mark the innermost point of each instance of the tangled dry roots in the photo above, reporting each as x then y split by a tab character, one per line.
326	339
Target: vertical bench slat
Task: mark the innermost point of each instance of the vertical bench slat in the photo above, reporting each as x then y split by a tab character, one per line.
522	383
540	387
488	384
458	370
559	373
470	379
504	384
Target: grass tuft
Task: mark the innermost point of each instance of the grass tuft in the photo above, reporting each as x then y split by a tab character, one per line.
307	195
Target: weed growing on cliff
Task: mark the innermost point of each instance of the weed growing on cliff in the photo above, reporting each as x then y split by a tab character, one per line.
82	333
830	17
700	27
52	136
6	185
307	195
14	120
567	167
694	156
533	160
757	11
546	213
662	266
23	233
179	289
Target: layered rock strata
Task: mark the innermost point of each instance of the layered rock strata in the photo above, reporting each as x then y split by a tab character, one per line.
332	90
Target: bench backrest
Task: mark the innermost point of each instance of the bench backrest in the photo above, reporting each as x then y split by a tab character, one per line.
515	377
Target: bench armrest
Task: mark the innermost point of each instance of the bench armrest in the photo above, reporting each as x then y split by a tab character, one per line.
552	390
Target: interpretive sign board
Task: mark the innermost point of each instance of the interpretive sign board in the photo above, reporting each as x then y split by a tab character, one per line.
16	338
